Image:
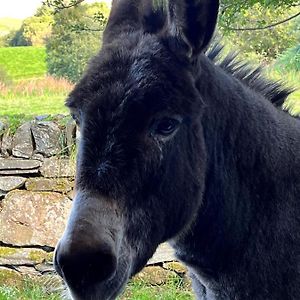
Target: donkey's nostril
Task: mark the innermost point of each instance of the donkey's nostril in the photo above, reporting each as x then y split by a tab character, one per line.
85	267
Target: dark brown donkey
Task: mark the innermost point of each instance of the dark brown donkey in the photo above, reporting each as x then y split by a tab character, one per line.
178	147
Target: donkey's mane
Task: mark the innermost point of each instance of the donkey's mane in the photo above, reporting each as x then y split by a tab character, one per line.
274	91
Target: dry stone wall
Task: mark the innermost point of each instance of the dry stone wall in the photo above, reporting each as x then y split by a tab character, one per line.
36	190
36	184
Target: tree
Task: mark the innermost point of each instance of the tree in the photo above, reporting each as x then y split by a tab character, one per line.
231	8
37	29
268	44
74	39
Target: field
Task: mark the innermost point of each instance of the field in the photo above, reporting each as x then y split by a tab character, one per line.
23	62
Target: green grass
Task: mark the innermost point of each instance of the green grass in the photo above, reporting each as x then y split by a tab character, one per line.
23	100
23	62
174	289
27	290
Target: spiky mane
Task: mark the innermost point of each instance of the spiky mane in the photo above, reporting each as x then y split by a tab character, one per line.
272	90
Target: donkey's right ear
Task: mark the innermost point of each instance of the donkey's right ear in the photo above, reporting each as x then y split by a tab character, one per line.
191	25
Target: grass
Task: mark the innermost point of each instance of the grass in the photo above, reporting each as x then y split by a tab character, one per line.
174	289
23	100
23	62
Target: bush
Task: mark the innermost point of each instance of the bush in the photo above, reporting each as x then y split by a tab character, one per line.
71	45
289	60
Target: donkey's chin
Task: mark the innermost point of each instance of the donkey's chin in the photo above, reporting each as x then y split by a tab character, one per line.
107	290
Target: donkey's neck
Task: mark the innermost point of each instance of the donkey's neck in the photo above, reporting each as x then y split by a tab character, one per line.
251	178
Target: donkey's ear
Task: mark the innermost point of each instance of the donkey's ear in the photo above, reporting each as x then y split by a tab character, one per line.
125	16
191	24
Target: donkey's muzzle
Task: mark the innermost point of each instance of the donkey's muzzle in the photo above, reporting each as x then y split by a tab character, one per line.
87	252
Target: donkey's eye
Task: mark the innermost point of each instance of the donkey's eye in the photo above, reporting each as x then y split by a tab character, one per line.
165	126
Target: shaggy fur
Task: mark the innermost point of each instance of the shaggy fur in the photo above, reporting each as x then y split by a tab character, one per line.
179	147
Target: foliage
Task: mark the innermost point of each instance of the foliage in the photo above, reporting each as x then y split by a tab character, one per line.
292	80
289	60
230	9
37	29
72	43
266	44
32	31
23	62
8	29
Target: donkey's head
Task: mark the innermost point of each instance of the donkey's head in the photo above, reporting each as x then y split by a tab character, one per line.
141	160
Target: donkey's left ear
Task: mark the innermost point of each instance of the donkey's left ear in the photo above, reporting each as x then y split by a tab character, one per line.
191	24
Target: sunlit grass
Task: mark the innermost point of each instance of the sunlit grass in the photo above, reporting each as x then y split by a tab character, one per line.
23	62
28	98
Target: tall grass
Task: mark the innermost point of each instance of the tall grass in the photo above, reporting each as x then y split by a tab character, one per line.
34	97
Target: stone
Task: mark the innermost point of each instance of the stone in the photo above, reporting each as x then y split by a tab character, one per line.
46	136
155	275
9	277
163	253
176	267
70	134
2	194
28	270
6	145
61	185
22	144
45	267
41	117
9	183
71	194
19	172
55	167
3	127
18	166
24	256
38	156
33	218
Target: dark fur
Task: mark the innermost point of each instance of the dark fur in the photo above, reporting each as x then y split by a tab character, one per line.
223	188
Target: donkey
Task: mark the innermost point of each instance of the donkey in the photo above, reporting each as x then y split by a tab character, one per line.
178	146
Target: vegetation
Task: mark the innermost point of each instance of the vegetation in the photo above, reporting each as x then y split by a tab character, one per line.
72	42
23	62
29	289
262	45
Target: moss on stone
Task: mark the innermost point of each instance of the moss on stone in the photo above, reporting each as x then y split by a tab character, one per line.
9	277
39	256
6	251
